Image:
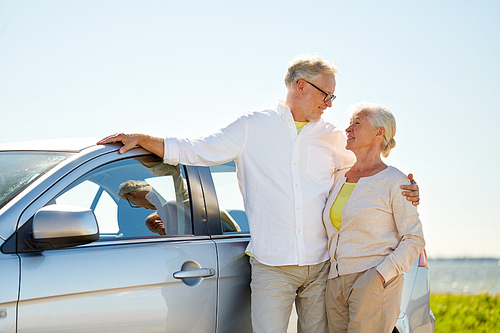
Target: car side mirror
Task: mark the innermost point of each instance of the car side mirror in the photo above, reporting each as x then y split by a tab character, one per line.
59	226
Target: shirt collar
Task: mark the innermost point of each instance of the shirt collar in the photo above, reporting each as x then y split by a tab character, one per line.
283	110
155	198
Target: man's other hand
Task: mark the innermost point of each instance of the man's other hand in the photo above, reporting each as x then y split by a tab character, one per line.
411	191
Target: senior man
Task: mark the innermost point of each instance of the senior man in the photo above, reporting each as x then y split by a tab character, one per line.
285	159
139	193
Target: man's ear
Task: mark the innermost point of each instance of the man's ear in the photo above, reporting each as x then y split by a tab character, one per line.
300	85
380	131
129	196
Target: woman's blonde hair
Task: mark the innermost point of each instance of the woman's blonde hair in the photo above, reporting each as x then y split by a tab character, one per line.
379	116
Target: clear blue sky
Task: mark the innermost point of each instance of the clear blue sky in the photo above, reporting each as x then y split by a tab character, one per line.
92	68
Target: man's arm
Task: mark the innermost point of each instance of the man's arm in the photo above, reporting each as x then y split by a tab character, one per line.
152	144
413	194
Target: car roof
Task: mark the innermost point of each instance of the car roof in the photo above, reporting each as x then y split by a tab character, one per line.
63	145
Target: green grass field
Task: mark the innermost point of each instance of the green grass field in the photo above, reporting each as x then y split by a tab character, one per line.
466	313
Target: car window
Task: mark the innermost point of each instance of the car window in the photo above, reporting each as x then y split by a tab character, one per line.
232	210
134	198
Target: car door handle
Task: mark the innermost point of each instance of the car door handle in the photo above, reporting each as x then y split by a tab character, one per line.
195	273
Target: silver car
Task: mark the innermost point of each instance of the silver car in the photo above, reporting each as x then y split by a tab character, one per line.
416	315
77	255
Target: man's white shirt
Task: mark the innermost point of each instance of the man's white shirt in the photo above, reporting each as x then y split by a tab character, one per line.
284	177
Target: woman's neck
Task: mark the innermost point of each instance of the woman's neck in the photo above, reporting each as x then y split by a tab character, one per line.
366	165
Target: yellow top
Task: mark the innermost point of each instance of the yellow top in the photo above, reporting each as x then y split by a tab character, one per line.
300	125
338	205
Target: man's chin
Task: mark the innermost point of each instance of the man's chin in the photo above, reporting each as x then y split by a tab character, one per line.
314	119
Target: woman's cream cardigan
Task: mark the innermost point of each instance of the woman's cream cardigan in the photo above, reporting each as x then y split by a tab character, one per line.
379	227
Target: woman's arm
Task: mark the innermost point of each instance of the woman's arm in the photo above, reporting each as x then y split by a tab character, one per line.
409	230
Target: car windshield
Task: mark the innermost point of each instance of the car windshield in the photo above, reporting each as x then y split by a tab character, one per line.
19	169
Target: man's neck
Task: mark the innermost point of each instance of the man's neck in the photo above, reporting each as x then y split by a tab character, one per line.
295	114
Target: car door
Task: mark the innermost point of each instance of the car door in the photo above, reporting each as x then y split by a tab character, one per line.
131	280
9	264
230	231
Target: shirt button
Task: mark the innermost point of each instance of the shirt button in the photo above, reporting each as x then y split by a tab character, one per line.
298	231
298	208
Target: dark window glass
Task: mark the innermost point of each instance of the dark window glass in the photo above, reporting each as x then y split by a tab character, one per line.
232	210
134	198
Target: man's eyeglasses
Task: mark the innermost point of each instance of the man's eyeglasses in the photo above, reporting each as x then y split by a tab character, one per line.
328	97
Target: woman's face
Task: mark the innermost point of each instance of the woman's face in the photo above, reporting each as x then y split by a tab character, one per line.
361	134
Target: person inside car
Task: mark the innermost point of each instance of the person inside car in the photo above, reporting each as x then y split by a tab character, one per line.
155	224
140	193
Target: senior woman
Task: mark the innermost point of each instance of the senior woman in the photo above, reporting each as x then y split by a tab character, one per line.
373	234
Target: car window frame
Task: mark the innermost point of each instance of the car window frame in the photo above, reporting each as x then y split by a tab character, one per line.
213	210
198	210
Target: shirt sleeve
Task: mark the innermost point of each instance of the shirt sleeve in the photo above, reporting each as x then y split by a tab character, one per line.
410	235
220	147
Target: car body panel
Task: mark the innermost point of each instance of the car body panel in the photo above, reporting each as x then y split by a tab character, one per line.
94	288
9	287
234	285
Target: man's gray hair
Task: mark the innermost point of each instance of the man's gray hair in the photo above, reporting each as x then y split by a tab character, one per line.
379	116
307	67
133	186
